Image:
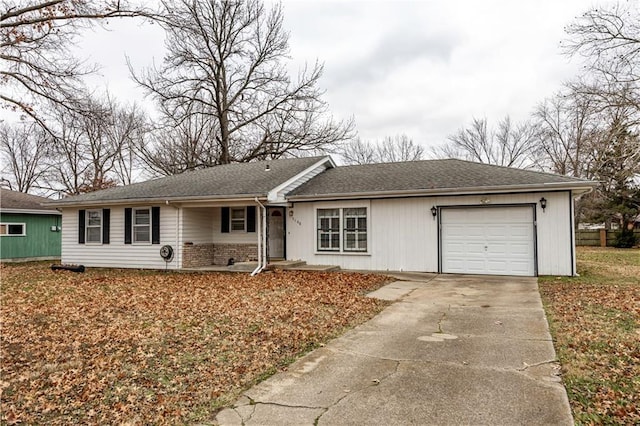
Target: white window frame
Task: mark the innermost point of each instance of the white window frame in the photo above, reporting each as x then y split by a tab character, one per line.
134	225
330	231
87	227
7	224
232	220
356	232
342	250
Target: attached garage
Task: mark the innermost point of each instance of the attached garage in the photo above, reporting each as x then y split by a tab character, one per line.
493	240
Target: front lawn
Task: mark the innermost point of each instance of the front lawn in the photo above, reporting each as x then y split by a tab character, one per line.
595	321
114	346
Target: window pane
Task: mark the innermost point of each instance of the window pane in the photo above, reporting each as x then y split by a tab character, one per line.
328	212
237	225
335	240
335	223
362	241
362	223
324	241
350	241
93	235
350	222
142	217
237	213
141	234
15	229
93	217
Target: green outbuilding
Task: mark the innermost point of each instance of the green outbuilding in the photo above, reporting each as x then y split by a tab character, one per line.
28	231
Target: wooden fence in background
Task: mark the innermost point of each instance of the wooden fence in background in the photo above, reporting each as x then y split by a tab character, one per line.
596	237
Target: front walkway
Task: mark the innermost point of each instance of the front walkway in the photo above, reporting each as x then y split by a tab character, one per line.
452	350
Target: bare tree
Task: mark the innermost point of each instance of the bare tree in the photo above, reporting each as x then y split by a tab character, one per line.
37	66
358	151
509	145
225	66
24	148
95	145
609	39
568	129
388	150
183	142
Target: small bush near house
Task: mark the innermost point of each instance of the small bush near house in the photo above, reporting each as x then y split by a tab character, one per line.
625	239
135	347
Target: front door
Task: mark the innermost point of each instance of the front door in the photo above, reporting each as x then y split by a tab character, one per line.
275	232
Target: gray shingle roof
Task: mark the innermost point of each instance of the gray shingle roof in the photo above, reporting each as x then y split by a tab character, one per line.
13	200
225	181
428	175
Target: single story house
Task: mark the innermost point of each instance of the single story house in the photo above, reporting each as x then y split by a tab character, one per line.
446	216
28	231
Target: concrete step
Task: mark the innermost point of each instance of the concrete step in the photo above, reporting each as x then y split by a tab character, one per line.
243	266
286	264
321	268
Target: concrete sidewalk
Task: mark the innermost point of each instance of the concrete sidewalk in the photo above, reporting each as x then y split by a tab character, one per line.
453	350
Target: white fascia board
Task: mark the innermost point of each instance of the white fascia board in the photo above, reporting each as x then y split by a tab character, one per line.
575	187
274	194
29	211
165	200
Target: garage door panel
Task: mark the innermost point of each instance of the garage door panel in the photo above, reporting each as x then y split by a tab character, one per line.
521	249
492	240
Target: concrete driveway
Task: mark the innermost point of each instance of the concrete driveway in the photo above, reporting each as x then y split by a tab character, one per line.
451	350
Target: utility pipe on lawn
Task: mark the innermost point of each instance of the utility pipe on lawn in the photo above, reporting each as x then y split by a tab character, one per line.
262	235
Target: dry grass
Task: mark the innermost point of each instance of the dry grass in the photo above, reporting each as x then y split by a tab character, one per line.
113	346
595	320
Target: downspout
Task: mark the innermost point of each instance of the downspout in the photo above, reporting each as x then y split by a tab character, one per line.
262	245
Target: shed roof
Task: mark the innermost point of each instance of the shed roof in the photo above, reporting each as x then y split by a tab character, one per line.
437	176
19	201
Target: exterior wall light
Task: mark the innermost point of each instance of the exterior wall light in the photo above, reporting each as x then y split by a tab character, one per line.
434	211
543	203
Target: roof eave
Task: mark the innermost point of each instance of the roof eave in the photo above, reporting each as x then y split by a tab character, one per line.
272	195
578	187
156	200
29	211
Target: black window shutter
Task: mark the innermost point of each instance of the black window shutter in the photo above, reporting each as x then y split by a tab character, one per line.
155	225
251	218
106	221
224	221
81	225
127	226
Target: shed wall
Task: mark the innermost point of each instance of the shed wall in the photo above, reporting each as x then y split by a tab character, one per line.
39	242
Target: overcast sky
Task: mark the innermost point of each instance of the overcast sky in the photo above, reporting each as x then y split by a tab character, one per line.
423	68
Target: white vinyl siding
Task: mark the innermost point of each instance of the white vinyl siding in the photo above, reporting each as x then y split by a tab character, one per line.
402	234
116	254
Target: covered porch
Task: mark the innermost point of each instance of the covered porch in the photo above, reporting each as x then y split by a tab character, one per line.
221	234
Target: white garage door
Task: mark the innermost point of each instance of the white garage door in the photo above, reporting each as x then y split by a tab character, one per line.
488	240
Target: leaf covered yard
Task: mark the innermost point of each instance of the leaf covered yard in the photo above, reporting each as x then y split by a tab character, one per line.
595	321
112	346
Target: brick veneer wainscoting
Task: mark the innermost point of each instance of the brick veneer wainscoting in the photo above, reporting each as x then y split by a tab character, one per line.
194	255
239	252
